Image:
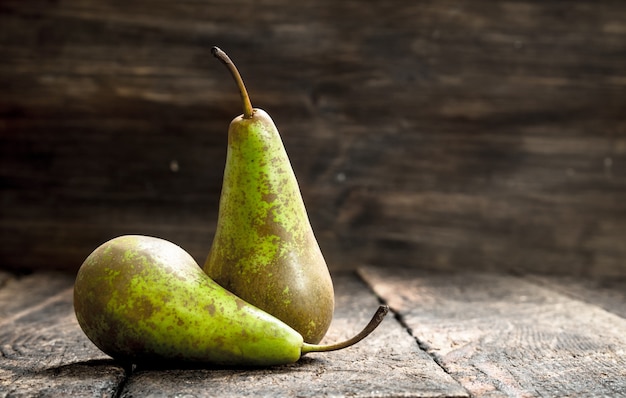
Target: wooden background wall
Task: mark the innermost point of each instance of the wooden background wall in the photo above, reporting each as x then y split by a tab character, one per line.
442	134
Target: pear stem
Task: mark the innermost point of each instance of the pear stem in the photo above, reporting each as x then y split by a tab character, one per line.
248	111
373	324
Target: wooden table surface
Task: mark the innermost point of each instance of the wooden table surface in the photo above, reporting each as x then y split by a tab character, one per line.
449	335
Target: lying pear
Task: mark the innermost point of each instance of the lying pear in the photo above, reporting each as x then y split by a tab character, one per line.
264	249
143	299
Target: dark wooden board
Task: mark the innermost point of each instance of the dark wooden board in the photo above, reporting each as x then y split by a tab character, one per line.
387	364
503	336
441	133
43	352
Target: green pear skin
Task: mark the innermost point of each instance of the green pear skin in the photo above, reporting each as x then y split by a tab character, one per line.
141	298
264	249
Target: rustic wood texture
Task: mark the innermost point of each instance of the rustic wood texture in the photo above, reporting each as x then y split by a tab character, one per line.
503	336
44	353
441	134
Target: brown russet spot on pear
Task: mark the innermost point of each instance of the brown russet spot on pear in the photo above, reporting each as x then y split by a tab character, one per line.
264	249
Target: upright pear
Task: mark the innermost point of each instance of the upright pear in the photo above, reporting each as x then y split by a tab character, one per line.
264	249
143	300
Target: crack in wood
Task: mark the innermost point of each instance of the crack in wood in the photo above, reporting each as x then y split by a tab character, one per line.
401	320
502	335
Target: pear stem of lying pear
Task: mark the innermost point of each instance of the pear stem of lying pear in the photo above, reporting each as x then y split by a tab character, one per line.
373	324
248	111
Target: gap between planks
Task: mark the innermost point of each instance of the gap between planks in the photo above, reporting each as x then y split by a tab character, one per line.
45	353
497	335
509	336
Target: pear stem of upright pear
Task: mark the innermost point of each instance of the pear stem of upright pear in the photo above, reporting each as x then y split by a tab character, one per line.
373	324
248	111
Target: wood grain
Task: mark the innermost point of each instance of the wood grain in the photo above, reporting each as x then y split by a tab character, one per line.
501	336
439	134
42	349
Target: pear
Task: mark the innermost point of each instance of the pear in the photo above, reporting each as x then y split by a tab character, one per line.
142	299
264	249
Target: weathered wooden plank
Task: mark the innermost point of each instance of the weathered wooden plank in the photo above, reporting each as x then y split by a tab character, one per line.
387	364
42	349
445	133
607	293
501	336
